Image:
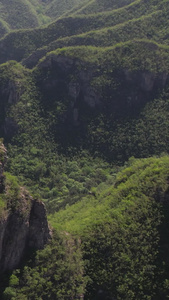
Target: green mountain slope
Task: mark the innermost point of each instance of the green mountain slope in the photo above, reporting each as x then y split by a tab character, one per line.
4	28
18	14
127	242
27	14
89	91
146	27
132	21
95	99
57	8
96	6
124	240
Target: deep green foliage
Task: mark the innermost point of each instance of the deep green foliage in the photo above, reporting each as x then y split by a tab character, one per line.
139	19
4	28
11	195
94	6
57	8
103	97
61	180
120	235
133	74
55	273
144	27
18	14
121	232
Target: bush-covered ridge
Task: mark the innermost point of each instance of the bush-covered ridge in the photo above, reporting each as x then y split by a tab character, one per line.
122	55
57	8
95	6
123	232
22	43
19	14
127	31
148	176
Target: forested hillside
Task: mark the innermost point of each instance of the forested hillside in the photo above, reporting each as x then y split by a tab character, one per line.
123	234
19	14
84	116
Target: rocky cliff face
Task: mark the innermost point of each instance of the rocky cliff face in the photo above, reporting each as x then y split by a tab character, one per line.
23	223
80	89
121	91
70	80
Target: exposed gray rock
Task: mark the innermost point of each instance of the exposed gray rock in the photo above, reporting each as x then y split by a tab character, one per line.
75	79
23	224
146	80
38	226
91	97
20	230
74	89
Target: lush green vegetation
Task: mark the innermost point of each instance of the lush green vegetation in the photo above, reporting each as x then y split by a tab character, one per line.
55	273
95	6
11	194
137	20
57	169
96	94
116	132
122	229
18	14
57	8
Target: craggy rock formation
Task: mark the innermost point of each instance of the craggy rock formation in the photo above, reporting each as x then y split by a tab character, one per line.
80	89
23	223
73	79
71	76
18	232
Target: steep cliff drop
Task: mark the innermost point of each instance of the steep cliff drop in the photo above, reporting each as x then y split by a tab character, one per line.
23	221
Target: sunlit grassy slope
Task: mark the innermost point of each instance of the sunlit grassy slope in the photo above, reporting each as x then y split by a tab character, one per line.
122	229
